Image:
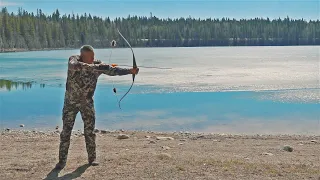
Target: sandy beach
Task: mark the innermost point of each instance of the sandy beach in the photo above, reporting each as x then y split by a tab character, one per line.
154	155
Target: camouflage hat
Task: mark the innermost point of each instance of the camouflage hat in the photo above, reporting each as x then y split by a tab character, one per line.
86	48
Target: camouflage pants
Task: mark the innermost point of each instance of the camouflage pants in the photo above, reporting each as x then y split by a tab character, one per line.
70	111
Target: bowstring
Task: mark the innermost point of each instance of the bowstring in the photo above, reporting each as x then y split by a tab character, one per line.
111	78
113	86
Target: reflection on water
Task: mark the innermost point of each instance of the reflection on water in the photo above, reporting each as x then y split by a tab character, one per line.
215	112
8	84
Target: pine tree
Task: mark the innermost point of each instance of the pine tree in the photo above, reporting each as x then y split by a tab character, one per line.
37	31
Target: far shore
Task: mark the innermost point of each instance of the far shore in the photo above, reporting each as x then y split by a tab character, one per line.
13	50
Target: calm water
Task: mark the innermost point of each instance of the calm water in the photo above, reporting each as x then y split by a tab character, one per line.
220	90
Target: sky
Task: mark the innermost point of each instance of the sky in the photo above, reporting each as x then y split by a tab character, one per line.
238	9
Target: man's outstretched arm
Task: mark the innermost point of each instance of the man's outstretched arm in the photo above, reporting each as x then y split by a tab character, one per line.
113	71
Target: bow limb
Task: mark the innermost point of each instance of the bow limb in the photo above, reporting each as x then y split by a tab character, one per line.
134	66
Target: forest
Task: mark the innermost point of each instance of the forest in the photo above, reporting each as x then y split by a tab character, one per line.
35	31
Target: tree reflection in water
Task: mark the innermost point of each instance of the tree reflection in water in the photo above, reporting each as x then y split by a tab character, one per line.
9	85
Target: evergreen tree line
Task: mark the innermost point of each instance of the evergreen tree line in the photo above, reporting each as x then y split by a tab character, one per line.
24	30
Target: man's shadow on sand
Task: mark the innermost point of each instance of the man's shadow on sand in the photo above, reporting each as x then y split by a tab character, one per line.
54	174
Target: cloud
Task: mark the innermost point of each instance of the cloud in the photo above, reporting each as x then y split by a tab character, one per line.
155	120
3	3
266	126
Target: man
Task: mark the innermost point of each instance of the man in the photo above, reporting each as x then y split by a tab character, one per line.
83	73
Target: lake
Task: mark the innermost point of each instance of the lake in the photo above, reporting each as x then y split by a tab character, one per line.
243	90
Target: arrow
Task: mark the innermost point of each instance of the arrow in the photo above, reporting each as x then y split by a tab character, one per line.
114	65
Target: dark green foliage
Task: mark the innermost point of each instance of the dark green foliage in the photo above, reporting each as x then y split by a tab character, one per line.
26	30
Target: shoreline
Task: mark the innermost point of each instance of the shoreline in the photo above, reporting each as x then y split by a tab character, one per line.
205	135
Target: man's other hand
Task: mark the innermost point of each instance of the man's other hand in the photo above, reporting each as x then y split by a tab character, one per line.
134	70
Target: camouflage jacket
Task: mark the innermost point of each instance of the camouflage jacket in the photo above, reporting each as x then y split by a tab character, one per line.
82	78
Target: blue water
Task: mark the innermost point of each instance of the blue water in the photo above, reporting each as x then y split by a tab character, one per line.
186	111
146	108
